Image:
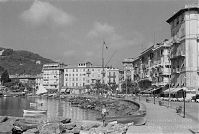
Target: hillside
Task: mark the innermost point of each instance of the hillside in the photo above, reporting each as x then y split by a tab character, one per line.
21	62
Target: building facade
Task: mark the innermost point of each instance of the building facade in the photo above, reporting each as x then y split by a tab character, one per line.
184	57
152	66
53	76
128	69
85	74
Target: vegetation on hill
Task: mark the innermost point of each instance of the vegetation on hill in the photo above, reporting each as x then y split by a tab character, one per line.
21	62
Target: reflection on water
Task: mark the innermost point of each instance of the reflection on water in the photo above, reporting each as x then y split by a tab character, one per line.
14	107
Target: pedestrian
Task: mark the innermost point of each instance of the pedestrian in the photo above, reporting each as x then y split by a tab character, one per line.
104	112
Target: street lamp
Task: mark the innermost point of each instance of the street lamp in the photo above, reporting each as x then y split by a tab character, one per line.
169	58
184	95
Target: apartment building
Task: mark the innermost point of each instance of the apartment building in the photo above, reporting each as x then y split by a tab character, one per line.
53	76
152	66
128	69
184	26
86	74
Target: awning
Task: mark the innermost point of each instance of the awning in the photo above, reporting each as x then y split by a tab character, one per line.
190	90
157	89
176	90
168	90
148	91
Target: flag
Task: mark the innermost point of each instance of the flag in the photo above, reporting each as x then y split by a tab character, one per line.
105	45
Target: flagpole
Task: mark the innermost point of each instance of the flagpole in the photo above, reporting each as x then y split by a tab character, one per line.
103	62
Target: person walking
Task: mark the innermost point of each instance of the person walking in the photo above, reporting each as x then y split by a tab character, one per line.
104	112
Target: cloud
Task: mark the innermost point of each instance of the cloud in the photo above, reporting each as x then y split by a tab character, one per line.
43	12
100	29
108	33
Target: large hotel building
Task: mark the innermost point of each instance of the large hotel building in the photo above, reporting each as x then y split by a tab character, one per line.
87	74
57	76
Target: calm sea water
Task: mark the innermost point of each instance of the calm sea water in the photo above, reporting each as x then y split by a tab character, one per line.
13	106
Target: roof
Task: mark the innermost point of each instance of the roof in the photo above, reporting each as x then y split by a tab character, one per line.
187	8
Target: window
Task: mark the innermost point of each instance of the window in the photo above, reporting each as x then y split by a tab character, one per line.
76	74
76	70
161	52
76	79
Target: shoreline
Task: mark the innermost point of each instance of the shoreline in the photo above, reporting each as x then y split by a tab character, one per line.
116	124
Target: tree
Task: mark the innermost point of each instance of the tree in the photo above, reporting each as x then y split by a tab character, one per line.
5	77
131	87
114	87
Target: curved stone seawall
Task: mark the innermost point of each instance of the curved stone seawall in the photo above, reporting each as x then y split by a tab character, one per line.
142	107
138	118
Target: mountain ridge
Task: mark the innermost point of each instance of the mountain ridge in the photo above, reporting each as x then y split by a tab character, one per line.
22	61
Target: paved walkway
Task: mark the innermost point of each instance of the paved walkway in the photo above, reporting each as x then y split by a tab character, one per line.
163	120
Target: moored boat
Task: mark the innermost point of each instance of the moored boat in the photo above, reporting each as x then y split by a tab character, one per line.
34	111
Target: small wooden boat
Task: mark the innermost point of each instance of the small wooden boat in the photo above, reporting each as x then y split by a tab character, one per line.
34	111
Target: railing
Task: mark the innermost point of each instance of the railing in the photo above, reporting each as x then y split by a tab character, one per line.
177	55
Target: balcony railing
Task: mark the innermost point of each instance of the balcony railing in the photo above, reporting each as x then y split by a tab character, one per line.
179	55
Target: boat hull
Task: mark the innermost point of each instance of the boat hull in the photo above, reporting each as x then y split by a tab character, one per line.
35	111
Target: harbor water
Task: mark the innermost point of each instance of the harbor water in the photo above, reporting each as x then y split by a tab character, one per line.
14	106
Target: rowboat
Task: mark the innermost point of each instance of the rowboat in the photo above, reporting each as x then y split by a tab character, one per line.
34	111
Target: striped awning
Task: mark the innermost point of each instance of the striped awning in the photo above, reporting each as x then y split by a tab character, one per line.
176	90
168	90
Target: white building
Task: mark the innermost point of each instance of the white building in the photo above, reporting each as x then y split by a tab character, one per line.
53	76
87	74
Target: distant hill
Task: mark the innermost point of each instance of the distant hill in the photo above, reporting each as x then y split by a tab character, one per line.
21	62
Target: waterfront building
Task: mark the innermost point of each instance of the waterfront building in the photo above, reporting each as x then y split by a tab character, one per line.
53	76
38	80
85	74
128	69
184	26
152	66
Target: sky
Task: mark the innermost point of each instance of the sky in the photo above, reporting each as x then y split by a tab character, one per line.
73	31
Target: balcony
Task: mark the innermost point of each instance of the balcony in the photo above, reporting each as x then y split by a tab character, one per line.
114	76
176	56
88	72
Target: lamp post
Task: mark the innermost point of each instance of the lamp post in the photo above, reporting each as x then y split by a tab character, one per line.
184	95
169	58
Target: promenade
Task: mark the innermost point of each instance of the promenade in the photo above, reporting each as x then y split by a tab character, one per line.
163	120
